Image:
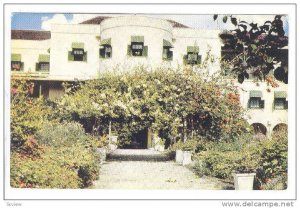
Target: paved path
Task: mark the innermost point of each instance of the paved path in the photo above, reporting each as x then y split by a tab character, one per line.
151	175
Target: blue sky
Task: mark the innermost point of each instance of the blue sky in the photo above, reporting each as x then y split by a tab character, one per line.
42	21
32	21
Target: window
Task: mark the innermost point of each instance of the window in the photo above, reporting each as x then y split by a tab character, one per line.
77	53
255	101
16	63
43	62
280	102
192	56
137	47
105	52
105	48
44	66
167	51
16	66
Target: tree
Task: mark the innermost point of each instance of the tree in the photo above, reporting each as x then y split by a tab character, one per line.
254	51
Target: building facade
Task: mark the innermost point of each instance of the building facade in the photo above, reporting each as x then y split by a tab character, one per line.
83	51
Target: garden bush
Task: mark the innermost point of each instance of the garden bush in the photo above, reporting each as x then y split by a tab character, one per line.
44	172
273	159
73	147
162	100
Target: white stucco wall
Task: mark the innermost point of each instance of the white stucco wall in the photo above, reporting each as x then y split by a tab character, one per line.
120	30
29	50
62	37
205	39
268	116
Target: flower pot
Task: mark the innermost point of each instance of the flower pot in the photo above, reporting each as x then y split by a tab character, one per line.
113	140
244	181
187	158
102	152
179	156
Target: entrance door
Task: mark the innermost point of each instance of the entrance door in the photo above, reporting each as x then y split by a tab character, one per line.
139	140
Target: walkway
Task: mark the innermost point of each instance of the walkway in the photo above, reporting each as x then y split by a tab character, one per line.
149	174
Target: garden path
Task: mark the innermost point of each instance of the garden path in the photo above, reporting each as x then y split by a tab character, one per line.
118	174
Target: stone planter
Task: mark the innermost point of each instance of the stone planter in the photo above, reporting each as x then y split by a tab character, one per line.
113	140
179	156
244	181
102	152
187	158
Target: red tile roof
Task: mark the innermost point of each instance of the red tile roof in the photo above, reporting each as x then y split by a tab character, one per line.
30	35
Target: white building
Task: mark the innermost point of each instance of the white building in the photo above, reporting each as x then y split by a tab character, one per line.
84	51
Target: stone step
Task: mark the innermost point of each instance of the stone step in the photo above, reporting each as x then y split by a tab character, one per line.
139	155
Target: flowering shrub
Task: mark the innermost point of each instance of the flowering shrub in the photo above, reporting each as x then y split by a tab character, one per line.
162	100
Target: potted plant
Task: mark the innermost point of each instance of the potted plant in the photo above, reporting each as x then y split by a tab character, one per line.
245	171
188	147
102	143
160	145
179	153
184	151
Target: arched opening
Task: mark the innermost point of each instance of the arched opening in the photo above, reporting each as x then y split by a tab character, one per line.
259	129
280	127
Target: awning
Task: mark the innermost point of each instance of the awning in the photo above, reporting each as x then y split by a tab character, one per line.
16	57
44	58
106	41
78	45
137	39
255	93
167	43
193	49
280	94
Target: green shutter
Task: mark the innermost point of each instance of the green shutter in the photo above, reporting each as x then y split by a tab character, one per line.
199	59
129	52
137	39
145	51
167	44
185	59
78	45
106	41
255	93
44	58
70	56
280	94
286	105
16	57
84	56
37	67
262	104
193	49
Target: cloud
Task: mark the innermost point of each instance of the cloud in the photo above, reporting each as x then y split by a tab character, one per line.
56	19
193	21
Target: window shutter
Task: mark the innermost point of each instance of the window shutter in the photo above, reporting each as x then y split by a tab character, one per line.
262	104
22	66
84	56
185	58
129	52
286	106
70	56
37	66
199	59
102	52
145	51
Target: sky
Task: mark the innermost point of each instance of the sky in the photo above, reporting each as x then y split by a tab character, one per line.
43	21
